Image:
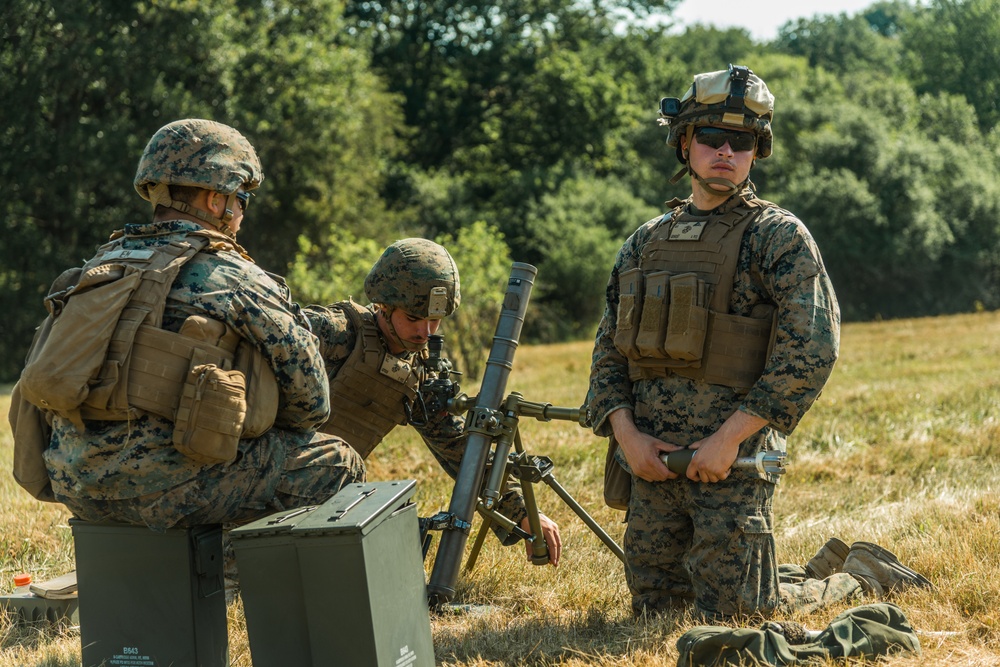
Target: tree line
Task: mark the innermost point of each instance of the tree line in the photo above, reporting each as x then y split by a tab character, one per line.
519	130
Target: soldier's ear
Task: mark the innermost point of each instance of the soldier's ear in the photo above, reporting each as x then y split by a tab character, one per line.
215	202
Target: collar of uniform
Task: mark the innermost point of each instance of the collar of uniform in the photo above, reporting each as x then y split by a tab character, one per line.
161	227
724	207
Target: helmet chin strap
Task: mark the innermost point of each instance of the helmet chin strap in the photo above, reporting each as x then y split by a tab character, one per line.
406	345
730	187
159	195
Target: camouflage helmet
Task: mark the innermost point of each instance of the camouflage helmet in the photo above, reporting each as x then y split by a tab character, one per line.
735	97
416	275
198	153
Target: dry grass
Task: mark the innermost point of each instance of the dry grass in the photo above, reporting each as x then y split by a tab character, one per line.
901	450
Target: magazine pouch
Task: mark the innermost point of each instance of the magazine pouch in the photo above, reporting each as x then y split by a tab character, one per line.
653	324
688	320
629	312
211	413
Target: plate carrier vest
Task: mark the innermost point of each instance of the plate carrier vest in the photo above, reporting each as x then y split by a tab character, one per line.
133	363
371	390
673	310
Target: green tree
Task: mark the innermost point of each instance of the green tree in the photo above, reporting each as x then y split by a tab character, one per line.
891	189
579	229
335	270
74	120
322	122
956	45
79	109
864	41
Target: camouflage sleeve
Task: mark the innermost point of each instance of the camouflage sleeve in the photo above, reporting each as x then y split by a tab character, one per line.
337	336
610	387
445	437
807	336
265	313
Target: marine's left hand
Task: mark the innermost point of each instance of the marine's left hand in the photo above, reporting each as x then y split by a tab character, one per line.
716	453
550	531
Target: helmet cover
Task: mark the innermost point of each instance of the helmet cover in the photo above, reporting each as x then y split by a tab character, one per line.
198	153
418	276
735	98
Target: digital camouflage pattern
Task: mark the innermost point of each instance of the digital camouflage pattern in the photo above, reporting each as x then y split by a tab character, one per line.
198	153
443	432
407	272
734	569
778	264
114	465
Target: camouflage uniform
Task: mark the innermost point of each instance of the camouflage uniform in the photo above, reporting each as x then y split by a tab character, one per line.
129	470
442	433
712	543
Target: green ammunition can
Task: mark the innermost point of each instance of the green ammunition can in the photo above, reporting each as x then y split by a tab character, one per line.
271	589
356	586
150	599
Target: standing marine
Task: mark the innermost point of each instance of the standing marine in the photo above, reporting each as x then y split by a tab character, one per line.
720	329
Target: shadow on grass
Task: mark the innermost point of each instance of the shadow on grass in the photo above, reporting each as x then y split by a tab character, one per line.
595	635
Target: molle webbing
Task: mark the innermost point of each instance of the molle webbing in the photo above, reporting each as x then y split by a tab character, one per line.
162	359
706	245
111	397
736	351
695	257
368	394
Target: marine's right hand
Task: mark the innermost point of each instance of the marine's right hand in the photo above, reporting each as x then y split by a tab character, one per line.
642	451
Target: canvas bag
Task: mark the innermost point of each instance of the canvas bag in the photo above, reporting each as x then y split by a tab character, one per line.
869	630
80	354
32	432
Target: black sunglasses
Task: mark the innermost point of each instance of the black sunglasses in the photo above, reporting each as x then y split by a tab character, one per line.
716	137
244	199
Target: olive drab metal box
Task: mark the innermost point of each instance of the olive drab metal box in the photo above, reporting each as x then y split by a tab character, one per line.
151	599
270	586
359	582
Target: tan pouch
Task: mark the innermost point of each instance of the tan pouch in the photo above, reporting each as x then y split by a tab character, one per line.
738	347
629	311
262	390
617	480
210	414
32	433
688	318
653	324
73	347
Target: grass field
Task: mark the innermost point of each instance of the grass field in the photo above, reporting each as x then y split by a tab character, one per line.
902	449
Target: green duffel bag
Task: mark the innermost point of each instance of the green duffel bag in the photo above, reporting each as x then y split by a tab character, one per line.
869	631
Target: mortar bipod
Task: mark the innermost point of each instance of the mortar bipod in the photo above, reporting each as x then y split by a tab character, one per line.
529	470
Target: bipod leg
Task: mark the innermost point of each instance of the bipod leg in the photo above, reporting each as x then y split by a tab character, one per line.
539	548
491	517
530	469
586	518
484	529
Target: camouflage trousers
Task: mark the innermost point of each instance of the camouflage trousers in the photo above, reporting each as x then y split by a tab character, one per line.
279	470
712	545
